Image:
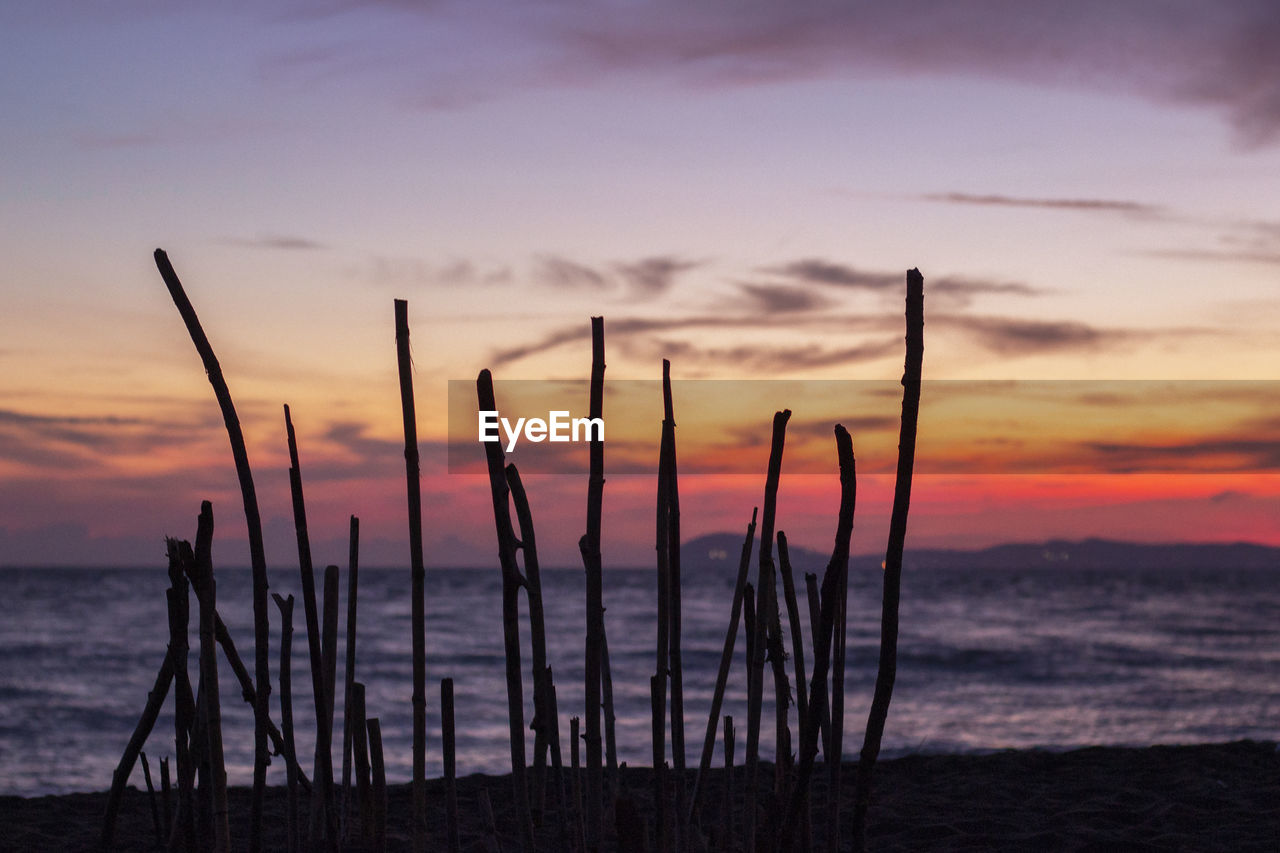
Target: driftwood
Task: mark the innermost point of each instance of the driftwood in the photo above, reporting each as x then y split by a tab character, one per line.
151	800
727	843
179	604
657	707
726	660
404	362
888	664
286	716
450	766
349	668
589	545
511	583
797	634
579	830
658	684
201	574
815	625
253	520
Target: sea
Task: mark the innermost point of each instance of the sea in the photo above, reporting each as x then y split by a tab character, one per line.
990	658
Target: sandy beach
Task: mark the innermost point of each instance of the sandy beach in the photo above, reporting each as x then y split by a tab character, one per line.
1207	797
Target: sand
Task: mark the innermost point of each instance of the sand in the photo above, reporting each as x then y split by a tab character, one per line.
1209	797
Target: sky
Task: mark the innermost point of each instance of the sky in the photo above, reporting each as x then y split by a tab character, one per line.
1088	189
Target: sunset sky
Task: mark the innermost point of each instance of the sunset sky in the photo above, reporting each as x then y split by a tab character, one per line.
1089	189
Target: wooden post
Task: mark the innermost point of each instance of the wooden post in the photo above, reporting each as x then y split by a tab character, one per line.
257	556
764	592
888	664
404	362
286	716
450	766
606	705
349	669
589	545
658	684
511	583
726	660
379	785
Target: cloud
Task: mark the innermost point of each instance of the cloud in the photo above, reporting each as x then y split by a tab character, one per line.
416	272
783	299
277	241
68	442
654	276
1015	336
562	273
1078	204
956	291
1222	454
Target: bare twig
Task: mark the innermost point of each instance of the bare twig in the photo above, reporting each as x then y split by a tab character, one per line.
286	715
888	665
404	363
589	545
257	555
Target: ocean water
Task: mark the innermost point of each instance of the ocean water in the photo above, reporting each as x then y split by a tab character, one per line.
988	659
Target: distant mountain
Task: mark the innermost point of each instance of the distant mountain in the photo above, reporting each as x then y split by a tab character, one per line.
721	552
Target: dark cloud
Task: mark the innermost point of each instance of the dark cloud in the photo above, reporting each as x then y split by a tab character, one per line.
416	272
653	276
818	271
1221	454
82	442
1082	204
1014	336
555	271
783	299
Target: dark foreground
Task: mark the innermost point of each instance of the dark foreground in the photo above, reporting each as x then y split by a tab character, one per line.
1212	797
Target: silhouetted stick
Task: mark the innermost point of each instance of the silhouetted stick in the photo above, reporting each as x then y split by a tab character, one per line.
257	556
349	668
834	580
673	588
781	700
658	684
764	592
360	753
557	764
589	545
312	614
579	831
511	583
450	766
797	635
815	625
166	804
379	785
179	606
543	720
329	656
404	362
888	666
155	700
728	844
491	841
286	715
606	705
202	574
726	660
657	720
151	799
